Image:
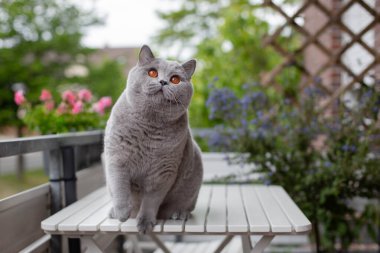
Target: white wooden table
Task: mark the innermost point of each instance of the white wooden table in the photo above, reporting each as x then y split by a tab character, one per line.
229	210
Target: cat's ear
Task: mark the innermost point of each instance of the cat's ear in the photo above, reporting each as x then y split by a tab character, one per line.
189	67
145	55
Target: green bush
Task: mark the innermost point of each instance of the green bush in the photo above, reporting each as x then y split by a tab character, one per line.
77	111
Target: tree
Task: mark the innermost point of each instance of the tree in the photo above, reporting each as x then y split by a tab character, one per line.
227	39
38	40
106	79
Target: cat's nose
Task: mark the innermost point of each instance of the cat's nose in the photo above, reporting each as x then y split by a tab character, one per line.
163	82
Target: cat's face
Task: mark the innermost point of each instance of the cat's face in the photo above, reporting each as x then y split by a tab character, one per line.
161	86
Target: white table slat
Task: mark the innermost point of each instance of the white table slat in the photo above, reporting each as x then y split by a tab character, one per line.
158	227
71	223
196	223
93	222
173	225
294	214
236	219
216	217
129	225
220	209
112	225
51	223
257	220
277	219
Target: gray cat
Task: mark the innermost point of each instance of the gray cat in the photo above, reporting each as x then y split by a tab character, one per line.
153	166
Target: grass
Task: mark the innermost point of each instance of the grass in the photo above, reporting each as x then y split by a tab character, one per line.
9	184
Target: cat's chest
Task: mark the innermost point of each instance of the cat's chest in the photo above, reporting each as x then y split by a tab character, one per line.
146	152
153	143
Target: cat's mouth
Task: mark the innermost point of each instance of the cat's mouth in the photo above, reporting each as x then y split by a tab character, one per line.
162	98
169	97
162	95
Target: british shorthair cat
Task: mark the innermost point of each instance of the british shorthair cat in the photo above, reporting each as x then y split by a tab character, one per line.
153	166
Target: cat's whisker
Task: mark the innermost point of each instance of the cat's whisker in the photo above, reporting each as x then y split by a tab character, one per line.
170	104
175	98
179	102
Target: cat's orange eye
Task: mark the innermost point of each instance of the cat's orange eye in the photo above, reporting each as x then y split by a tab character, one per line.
175	79
153	73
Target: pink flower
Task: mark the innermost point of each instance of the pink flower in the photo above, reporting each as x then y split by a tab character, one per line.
45	95
62	108
97	107
69	96
19	97
77	107
49	105
105	102
85	95
102	104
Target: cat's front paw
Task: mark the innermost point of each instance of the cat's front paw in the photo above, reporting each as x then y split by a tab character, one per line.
145	224
122	214
180	215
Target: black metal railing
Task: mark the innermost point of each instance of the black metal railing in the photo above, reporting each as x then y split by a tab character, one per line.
64	155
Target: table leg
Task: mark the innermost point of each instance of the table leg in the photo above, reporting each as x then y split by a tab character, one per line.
246	243
159	243
259	246
223	243
262	243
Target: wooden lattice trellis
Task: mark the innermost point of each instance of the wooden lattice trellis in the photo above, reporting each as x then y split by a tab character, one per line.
334	54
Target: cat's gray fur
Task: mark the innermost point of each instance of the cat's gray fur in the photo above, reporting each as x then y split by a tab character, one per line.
153	167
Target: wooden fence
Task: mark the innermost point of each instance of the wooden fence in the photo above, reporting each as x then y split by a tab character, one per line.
333	11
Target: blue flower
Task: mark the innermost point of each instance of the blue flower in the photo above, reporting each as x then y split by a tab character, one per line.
349	148
234	136
243	123
223	104
313	91
317	79
259	134
308	91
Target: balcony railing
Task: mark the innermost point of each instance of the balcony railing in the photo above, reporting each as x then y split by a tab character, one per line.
64	155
